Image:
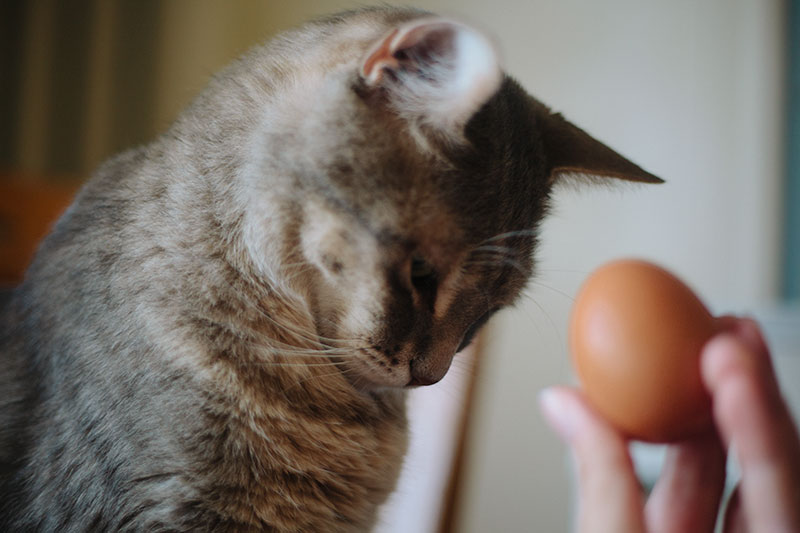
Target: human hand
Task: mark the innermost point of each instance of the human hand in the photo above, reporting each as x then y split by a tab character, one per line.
748	411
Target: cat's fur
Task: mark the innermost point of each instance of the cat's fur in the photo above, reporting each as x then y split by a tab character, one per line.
219	332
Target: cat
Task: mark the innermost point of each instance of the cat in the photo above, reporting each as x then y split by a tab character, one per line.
219	334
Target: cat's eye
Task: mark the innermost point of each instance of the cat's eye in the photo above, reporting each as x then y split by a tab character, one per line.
424	280
420	269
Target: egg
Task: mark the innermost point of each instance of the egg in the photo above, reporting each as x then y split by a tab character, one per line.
636	334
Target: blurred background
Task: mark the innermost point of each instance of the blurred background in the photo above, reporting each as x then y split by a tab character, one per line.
701	93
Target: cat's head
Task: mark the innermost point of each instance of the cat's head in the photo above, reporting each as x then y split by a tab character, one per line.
419	174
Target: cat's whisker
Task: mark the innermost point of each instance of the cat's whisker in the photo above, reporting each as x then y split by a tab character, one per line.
490	255
304	365
284	352
293	271
516	233
299	334
276	348
303	335
533	320
500	249
502	261
340	372
277	295
544	312
553	289
310	337
564	270
271	342
297	264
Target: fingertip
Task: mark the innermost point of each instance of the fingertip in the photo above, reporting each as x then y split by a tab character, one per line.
726	322
746	329
750	333
570	415
557	405
740	352
721	356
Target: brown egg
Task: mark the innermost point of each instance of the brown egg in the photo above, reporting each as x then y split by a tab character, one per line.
636	334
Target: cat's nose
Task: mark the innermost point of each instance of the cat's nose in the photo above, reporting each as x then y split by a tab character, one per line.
427	371
418	381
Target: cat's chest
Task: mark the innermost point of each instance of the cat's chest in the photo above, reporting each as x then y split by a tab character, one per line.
299	460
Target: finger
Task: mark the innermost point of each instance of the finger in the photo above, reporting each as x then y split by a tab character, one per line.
727	322
748	331
609	496
734	518
749	410
687	494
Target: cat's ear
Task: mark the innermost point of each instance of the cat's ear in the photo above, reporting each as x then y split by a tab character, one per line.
434	69
570	151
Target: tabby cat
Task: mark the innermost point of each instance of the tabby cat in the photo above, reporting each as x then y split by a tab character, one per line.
219	333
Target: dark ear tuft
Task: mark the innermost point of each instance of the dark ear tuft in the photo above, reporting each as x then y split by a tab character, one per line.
570	150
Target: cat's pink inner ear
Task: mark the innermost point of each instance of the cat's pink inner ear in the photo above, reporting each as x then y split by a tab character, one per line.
380	58
436	68
411	47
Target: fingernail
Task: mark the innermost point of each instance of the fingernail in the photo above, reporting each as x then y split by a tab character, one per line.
558	411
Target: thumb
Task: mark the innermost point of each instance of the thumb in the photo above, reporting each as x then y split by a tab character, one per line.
609	497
